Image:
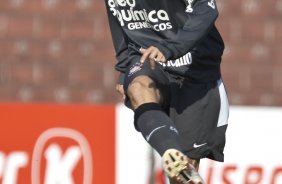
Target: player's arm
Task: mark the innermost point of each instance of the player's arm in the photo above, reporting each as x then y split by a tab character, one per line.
201	15
121	48
119	41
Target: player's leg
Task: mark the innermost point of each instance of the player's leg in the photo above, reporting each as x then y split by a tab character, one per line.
143	90
146	90
200	112
159	130
195	163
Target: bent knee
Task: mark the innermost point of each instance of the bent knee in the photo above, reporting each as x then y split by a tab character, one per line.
140	83
143	90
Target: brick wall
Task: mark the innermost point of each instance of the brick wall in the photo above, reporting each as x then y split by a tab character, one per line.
252	63
61	51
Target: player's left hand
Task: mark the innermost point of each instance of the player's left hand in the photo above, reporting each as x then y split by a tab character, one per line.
154	55
119	89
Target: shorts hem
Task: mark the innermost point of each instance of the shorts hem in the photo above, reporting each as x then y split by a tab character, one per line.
212	155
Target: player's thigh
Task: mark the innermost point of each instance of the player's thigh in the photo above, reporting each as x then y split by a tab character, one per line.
142	85
143	90
142	75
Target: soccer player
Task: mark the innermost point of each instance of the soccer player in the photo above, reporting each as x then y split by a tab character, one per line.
169	53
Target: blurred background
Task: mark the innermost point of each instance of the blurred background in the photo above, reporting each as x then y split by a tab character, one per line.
61	51
57	71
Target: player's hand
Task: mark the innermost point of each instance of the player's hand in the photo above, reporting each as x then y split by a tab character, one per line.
154	55
119	88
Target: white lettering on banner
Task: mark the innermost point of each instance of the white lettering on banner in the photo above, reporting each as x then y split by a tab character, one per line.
252	174
139	19
59	168
228	174
53	154
10	165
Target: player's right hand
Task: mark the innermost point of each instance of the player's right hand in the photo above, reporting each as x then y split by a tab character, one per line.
120	90
153	54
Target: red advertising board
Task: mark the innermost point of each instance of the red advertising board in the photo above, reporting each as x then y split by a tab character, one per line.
48	143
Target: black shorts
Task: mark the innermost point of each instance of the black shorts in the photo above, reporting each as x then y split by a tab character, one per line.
199	110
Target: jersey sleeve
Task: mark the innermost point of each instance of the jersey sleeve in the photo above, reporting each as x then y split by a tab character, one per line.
201	15
120	44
